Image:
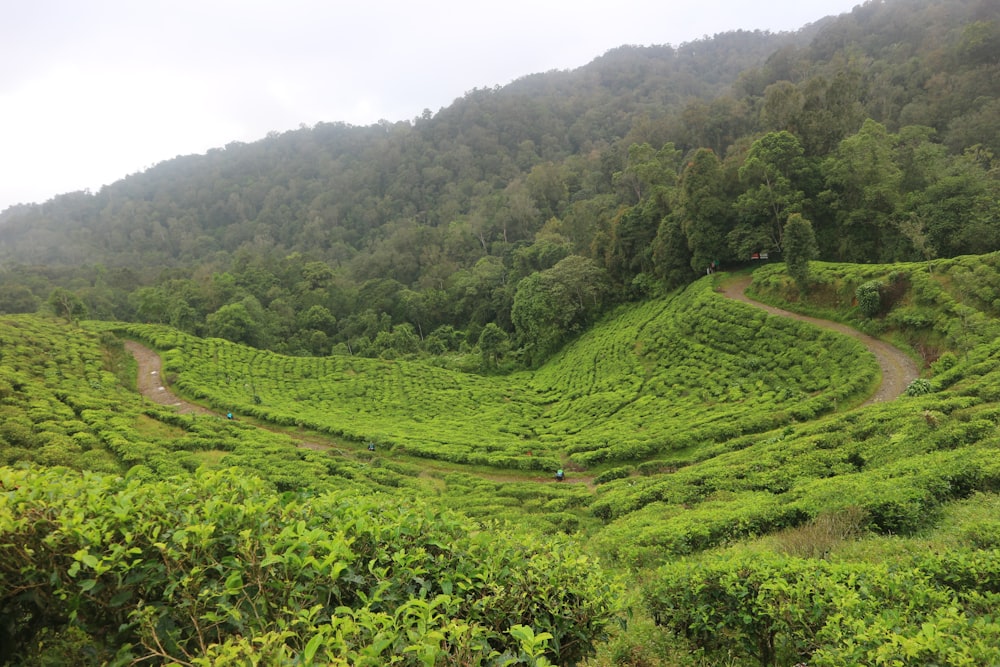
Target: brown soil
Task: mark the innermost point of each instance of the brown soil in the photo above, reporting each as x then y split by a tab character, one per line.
898	369
151	384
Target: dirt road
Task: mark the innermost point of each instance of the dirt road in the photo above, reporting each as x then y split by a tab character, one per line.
898	369
150	380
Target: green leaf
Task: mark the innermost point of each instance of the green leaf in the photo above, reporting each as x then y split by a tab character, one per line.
310	650
120	598
234	583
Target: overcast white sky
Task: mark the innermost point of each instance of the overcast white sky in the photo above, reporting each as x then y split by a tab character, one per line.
93	90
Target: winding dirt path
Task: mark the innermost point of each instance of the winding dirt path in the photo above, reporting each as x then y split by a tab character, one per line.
898	369
151	385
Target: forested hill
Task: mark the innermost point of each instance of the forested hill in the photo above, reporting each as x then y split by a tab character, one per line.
578	188
332	188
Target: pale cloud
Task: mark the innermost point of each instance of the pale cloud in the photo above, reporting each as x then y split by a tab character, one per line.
92	90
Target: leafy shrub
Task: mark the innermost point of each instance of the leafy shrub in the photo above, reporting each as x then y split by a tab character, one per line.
982	534
912	317
869	297
613	473
919	387
945	362
777	610
177	569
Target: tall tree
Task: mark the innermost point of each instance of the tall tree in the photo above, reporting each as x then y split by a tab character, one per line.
493	344
66	304
864	191
771	172
704	209
552	304
671	255
800	249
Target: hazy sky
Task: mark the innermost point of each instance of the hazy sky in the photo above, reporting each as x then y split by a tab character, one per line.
93	90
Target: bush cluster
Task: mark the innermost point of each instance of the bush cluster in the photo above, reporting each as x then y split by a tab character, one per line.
215	565
782	610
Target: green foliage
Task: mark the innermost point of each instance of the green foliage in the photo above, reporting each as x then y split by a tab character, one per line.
403	240
733	420
67	305
703	209
493	343
799	248
919	387
552	304
869	296
363	240
774	171
199	568
782	610
613	473
601	400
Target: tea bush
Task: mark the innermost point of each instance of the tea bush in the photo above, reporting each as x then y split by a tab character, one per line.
202	566
729	416
781	610
671	365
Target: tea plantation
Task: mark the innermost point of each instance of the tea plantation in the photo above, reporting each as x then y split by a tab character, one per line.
727	501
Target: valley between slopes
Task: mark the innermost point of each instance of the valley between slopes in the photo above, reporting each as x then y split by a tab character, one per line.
897	369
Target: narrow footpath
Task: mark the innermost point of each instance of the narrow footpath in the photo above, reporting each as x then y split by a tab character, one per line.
150	384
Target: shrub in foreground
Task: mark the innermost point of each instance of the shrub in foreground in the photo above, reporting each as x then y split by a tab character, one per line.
202	569
780	610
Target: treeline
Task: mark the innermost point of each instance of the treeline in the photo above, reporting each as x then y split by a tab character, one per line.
509	220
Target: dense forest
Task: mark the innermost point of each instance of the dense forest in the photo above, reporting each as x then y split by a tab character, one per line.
515	216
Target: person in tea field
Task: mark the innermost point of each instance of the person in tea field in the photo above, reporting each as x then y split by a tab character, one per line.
560	475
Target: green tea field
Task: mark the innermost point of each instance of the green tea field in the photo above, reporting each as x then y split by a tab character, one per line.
729	466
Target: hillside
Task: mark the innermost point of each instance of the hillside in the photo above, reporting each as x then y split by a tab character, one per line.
818	491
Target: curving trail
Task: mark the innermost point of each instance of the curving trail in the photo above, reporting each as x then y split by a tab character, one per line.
898	369
151	385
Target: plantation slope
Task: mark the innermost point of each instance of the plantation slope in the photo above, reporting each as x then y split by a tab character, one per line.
67	398
215	568
898	369
150	383
694	369
659	376
897	463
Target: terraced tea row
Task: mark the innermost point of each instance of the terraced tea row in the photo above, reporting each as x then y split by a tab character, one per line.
656	377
